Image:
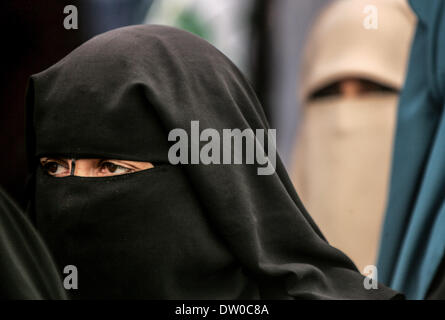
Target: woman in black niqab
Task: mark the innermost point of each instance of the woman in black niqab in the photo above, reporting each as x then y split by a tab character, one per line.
175	231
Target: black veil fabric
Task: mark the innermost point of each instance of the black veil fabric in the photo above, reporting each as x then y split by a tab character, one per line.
118	95
27	271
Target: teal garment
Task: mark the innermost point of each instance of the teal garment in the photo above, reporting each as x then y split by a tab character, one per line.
413	238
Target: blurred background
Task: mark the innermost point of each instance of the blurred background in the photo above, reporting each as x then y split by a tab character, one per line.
327	72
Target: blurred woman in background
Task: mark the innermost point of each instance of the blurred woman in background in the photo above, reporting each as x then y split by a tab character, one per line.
353	69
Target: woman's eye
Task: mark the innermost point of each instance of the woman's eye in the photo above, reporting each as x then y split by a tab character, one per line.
54	168
109	167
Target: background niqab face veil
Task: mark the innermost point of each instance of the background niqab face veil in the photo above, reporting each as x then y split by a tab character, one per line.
192	231
342	154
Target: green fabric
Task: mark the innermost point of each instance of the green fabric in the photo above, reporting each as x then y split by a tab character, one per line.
413	239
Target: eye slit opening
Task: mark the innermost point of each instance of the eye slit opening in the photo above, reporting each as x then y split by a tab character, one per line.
366	86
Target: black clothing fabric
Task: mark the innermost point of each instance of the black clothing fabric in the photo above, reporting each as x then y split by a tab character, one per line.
436	291
27	271
172	232
139	235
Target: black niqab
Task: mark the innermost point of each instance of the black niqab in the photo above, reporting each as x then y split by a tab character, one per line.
172	232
